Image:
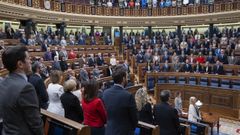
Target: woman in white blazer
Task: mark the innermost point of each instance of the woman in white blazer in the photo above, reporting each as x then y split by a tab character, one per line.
55	90
193	111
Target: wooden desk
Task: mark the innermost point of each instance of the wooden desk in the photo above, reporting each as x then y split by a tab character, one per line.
218	101
208	118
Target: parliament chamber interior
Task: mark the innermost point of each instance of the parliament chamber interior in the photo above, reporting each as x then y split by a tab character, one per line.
120	67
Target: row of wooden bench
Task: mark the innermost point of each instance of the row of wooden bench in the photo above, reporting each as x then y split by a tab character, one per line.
141	69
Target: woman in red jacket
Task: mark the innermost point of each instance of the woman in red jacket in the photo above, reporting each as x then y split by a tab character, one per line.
94	111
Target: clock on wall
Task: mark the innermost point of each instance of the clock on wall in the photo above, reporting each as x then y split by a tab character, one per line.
47	4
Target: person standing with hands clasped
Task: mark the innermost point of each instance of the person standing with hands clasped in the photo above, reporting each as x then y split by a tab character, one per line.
18	99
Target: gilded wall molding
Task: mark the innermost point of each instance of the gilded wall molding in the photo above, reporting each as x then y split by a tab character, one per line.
11	11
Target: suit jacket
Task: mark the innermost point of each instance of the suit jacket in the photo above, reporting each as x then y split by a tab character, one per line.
63	65
19	107
218	70
166	68
91	62
187	69
83	75
177	67
81	62
56	65
109	71
223	59
41	91
48	56
209	71
72	107
167	118
121	111
199	68
24	41
146	114
55	53
210	60
100	61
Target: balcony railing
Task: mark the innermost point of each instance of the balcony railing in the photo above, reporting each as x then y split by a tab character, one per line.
55	5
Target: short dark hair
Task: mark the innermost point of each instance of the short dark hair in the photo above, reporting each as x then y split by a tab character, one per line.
164	96
90	89
12	55
119	72
35	66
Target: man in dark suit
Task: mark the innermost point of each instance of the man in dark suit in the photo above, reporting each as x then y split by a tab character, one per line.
166	67
223	57
36	80
166	116
56	64
120	105
210	58
139	57
187	67
18	99
218	68
63	64
83	76
91	61
23	40
100	60
109	71
207	68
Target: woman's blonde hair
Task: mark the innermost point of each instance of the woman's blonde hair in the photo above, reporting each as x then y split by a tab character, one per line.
70	85
141	98
192	100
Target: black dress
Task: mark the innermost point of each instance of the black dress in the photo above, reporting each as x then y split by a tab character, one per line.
146	115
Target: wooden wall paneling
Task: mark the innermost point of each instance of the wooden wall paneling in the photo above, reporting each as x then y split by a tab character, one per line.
136	12
217	7
235	5
205	9
16	1
211	8
164	11
79	9
228	6
57	6
93	10
215	100
109	11
99	10
173	11
149	12
23	2
222	7
154	12
127	12
179	10
238	6
200	9
36	3
195	9
131	12
42	4
11	1
184	10
144	12
190	9
116	12
87	9
69	7
52	5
